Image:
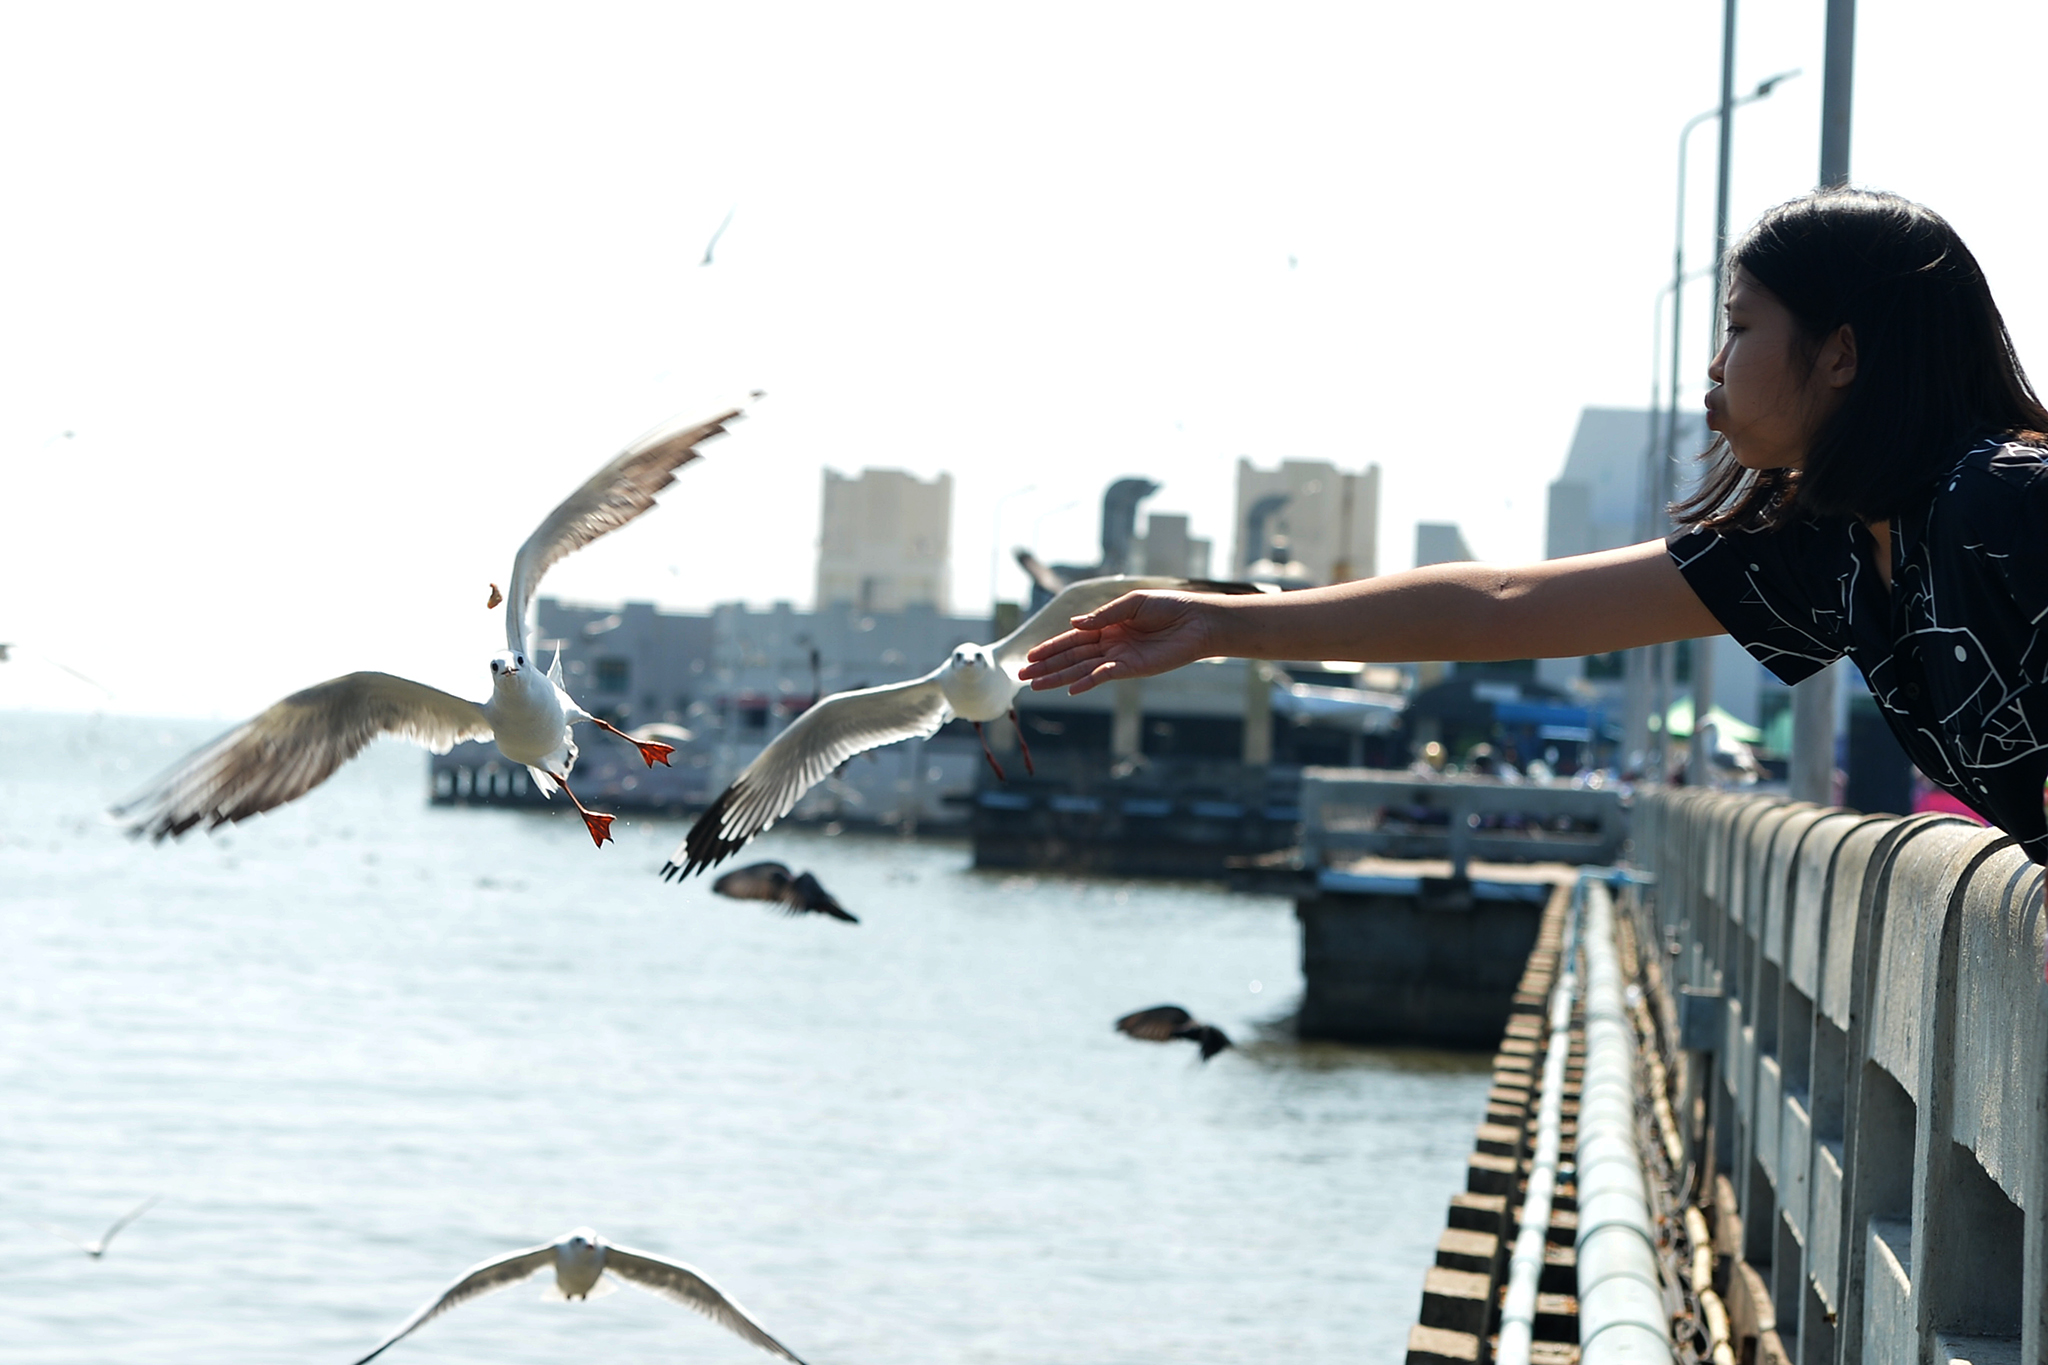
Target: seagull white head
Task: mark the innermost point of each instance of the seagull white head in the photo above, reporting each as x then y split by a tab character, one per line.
579	1263
506	663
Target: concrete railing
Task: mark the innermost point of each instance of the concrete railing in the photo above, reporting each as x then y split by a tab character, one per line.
1866	993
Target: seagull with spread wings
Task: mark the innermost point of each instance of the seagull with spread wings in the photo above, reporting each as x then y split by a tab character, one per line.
297	744
580	1259
978	683
98	1248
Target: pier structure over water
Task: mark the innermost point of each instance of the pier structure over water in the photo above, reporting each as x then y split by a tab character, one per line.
1420	897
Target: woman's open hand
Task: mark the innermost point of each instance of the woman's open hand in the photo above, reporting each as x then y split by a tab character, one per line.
1136	636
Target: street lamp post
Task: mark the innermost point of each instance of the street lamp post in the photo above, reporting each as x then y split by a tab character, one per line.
995	542
1763	91
1811	776
1655	673
1702	755
1043	517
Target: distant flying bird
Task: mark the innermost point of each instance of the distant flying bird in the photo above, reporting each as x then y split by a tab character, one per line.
1041	573
978	683
99	1248
1164	1023
772	882
712	245
579	1260
7	654
295	745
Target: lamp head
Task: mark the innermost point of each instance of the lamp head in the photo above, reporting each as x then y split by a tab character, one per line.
1769	83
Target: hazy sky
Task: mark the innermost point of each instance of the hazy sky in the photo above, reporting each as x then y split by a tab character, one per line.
338	303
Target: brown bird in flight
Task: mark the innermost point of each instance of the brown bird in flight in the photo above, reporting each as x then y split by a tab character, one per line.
797	895
1164	1023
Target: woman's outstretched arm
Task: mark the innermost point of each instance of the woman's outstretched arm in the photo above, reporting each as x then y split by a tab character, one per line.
1588	604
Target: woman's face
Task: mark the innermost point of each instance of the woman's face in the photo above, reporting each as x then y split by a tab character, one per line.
1766	399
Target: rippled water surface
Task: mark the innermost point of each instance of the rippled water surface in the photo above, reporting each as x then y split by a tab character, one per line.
362	1043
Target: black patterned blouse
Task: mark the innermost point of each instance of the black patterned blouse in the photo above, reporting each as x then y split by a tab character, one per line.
1955	652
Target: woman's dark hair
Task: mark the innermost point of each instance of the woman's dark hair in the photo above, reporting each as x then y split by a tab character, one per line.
1935	367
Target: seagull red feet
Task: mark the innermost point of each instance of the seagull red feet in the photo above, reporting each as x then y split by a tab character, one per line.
989	754
1018	726
654	751
599	824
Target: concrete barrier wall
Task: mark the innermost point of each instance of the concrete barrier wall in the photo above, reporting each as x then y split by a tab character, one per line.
1866	994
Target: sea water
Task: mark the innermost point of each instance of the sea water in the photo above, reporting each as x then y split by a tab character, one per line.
362	1043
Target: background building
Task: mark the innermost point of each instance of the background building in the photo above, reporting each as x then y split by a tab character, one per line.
1164	547
1310	514
1440	542
885	542
1599	502
1596	503
1167	548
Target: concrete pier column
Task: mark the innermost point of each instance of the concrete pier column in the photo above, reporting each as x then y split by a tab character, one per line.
1127	724
1258	712
1437	968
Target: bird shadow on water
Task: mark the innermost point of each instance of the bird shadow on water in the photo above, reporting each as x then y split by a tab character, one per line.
1275	1043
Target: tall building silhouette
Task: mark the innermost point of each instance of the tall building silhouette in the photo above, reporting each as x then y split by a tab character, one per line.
1600	501
885	542
1440	542
1311	514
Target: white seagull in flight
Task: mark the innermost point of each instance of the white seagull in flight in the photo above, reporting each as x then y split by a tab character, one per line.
579	1260
978	683
295	745
97	1249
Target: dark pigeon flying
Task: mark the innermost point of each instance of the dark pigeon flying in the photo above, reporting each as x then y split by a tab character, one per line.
797	895
1164	1023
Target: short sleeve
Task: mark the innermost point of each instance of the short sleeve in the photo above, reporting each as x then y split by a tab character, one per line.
1784	594
2008	516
